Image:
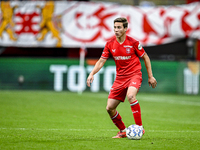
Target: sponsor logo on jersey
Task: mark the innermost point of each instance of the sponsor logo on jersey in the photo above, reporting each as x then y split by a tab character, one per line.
122	57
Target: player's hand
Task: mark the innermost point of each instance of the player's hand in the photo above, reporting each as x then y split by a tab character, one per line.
152	82
90	80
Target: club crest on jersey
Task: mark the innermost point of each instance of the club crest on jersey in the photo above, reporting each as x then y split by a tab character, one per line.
128	50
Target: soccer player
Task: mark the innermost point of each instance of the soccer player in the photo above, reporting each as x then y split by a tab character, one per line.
126	52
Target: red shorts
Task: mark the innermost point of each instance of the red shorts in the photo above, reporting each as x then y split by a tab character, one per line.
120	87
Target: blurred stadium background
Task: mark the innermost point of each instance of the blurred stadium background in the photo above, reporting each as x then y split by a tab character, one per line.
41	65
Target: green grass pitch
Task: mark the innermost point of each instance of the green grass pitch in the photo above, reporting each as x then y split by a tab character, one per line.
47	120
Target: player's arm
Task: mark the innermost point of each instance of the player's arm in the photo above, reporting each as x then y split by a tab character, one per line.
152	81
99	64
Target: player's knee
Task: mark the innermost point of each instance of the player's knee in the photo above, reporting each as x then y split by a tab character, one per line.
131	97
109	109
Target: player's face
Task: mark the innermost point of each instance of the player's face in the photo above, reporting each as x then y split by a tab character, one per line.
119	29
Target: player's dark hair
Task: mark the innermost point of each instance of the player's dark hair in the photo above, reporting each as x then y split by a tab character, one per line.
122	20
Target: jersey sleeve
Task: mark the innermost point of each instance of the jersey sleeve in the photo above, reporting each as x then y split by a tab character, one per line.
139	49
106	52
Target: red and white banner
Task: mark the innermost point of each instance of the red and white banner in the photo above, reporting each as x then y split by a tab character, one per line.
72	24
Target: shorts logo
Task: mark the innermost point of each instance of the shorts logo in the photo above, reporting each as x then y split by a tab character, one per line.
134	83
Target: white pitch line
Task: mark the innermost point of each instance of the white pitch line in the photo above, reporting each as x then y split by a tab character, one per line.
171	131
157	99
162	131
55	129
171	101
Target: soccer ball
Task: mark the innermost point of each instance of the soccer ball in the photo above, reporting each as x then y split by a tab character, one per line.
134	132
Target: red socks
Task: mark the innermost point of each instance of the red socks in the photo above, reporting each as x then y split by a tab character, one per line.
135	107
117	120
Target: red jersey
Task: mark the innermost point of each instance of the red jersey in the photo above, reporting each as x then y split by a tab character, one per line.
126	56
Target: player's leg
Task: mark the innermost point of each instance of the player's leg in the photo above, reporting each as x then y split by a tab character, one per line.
111	106
135	106
115	117
114	114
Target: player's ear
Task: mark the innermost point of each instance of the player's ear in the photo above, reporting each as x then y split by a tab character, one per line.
125	29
